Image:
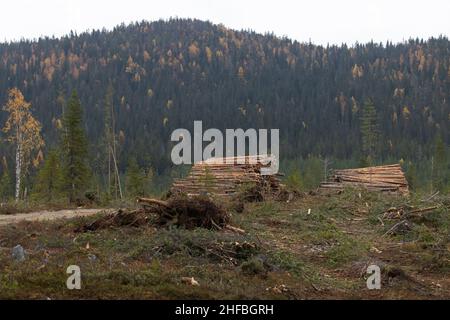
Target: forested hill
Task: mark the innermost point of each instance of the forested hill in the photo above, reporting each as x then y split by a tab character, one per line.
166	74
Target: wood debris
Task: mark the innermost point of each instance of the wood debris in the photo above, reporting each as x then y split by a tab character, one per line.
190	281
407	211
388	178
120	218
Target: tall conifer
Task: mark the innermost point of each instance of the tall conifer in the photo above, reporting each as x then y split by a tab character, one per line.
75	151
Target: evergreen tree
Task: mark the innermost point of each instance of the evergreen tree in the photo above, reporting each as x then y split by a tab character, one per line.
135	181
5	185
369	133
440	165
411	176
49	179
149	175
74	149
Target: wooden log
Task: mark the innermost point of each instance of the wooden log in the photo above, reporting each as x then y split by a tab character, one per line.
153	201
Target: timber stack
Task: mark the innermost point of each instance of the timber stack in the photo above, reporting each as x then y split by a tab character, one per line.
228	176
388	178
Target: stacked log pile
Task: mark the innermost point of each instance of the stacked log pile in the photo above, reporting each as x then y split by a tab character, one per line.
388	178
227	176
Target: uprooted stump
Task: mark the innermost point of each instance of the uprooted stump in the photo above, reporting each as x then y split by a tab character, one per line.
189	213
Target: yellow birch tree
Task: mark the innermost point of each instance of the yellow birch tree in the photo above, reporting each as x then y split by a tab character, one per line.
24	132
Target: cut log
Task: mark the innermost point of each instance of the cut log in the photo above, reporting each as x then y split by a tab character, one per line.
153	201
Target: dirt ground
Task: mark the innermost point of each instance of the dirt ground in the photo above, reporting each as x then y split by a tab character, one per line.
314	247
47	215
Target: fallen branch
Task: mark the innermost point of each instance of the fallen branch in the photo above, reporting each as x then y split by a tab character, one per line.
430	197
395	226
234	229
423	210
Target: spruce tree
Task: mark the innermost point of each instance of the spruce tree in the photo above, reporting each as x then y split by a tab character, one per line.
411	176
49	180
369	133
74	149
5	186
135	181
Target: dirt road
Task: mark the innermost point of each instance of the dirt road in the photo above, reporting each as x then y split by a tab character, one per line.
47	215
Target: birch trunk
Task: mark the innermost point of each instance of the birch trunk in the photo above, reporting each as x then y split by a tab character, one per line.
18	170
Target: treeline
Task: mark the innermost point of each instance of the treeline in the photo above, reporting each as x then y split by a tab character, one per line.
368	103
66	171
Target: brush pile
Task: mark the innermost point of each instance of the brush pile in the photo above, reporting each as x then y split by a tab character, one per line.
389	178
189	213
227	176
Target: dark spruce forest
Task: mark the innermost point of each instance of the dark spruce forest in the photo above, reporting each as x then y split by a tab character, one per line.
386	102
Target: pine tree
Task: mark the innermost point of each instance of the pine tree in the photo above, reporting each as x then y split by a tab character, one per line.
369	133
74	149
49	180
135	183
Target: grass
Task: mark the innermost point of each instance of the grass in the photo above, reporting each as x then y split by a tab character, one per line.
315	247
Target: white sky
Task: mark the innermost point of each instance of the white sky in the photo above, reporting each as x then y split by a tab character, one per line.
321	21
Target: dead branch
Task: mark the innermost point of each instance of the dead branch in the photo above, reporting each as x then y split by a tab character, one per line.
234	229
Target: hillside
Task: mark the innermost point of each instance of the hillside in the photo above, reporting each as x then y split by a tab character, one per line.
166	74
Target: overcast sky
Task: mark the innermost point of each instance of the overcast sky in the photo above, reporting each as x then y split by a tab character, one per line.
321	21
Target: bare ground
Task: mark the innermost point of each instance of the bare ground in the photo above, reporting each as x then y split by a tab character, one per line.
315	247
47	215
